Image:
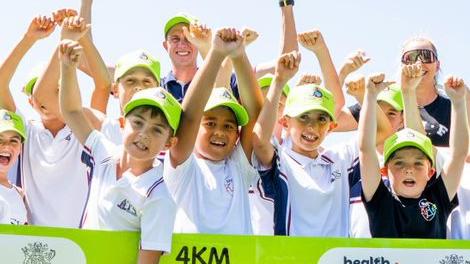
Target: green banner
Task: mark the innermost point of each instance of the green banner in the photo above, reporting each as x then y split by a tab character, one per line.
44	245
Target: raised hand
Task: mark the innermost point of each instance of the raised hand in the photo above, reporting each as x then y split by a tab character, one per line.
455	88
74	28
199	35
229	42
353	62
411	76
356	87
287	66
312	40
40	27
309	79
250	35
70	52
61	14
376	83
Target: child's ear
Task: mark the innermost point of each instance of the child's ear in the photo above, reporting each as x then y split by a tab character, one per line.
115	90
283	121
384	171
333	125
30	100
431	172
171	142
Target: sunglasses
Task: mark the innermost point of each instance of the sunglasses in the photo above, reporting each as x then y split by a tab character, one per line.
424	55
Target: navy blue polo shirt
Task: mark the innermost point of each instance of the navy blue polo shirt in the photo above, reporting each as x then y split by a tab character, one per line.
178	90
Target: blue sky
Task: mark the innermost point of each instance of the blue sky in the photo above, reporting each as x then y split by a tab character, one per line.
377	27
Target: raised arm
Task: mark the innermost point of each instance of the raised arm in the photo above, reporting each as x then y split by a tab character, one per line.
69	94
354	62
459	135
46	89
250	95
40	27
313	41
369	162
411	76
225	41
287	67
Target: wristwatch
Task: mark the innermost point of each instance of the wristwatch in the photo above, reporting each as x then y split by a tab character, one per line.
286	2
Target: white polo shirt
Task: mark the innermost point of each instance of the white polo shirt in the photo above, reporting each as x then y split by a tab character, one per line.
211	196
12	208
318	190
54	178
135	203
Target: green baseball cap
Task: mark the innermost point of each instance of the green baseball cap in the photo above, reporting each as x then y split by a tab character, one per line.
265	81
159	98
393	96
223	97
177	19
33	78
309	97
138	58
408	137
10	121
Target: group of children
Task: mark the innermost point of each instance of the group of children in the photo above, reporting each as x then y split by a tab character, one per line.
230	153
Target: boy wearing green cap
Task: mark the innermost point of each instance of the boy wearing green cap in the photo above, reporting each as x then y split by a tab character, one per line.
133	72
208	171
419	201
12	136
299	168
127	191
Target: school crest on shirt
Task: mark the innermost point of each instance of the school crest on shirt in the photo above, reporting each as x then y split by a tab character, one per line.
335	175
229	185
37	253
126	206
428	209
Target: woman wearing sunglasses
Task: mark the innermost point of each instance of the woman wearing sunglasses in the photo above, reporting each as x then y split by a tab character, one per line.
434	107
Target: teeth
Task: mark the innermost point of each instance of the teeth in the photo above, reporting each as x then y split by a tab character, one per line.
183	53
309	137
219	143
141	146
5	154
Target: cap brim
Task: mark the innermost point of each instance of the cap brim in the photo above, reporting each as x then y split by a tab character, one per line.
123	71
300	109
145	101
240	113
404	144
13	129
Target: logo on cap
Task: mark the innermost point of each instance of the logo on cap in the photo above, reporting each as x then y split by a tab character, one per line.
410	134
226	94
428	209
317	93
160	94
144	56
6	117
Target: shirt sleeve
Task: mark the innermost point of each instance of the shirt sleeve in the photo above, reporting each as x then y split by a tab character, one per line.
179	177
99	149
158	218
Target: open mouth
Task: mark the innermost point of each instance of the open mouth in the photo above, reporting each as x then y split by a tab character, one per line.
140	146
309	138
182	53
218	143
5	158
409	182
